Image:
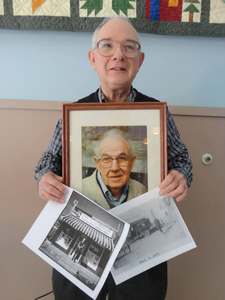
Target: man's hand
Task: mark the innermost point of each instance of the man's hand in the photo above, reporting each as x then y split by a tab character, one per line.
174	185
51	188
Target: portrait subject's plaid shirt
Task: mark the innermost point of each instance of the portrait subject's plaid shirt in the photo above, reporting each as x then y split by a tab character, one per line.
178	159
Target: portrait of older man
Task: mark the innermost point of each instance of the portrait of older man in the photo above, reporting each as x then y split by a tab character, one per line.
110	184
116	56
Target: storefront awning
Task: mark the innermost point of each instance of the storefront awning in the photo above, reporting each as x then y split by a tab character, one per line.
90	231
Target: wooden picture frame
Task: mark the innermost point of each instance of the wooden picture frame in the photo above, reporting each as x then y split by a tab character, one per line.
84	123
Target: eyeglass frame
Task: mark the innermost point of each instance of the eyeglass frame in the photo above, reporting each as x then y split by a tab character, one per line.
112	159
118	45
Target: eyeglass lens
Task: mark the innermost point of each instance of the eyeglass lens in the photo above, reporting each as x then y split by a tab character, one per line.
122	161
107	48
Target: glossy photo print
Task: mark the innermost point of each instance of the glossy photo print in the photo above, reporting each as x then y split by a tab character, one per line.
138	153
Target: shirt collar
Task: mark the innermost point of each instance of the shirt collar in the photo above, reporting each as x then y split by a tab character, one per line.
130	97
114	201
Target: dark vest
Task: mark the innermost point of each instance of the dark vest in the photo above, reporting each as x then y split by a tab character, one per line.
139	98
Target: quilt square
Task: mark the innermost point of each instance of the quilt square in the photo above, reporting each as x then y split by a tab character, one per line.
217	11
192	11
1	7
59	8
107	8
174	10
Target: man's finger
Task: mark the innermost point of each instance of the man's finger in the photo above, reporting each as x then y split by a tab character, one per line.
177	192
182	196
51	188
53	191
55	181
169	178
171	187
46	196
174	185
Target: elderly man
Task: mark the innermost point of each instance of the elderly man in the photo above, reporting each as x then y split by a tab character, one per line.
116	57
110	185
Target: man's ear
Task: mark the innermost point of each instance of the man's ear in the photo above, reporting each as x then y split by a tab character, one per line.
96	162
133	160
141	58
91	57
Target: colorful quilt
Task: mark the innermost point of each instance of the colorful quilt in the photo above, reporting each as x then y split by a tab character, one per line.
173	17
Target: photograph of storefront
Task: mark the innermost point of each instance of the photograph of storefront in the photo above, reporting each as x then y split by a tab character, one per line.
140	229
157	233
150	230
82	240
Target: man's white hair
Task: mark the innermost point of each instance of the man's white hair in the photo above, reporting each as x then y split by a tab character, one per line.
114	132
106	20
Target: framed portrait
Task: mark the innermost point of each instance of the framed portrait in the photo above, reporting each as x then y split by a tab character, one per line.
143	125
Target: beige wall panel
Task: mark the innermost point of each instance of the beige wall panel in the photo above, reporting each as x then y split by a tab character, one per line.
199	274
24	136
26	129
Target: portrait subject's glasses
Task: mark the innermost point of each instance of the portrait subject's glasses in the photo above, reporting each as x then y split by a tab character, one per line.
122	161
108	47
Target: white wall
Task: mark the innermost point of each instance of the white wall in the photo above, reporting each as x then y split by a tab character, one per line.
51	65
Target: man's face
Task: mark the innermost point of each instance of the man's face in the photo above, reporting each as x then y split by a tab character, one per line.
116	71
116	176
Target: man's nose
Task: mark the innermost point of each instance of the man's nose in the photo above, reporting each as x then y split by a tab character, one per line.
115	166
118	54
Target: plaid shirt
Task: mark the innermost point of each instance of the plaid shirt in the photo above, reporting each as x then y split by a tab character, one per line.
130	98
178	159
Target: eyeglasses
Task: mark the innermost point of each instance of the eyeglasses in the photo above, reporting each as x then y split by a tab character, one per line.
122	161
108	47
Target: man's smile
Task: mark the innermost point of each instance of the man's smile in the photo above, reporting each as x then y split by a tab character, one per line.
118	69
116	176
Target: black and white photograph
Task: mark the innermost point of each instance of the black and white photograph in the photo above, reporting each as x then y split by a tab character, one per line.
157	233
82	243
